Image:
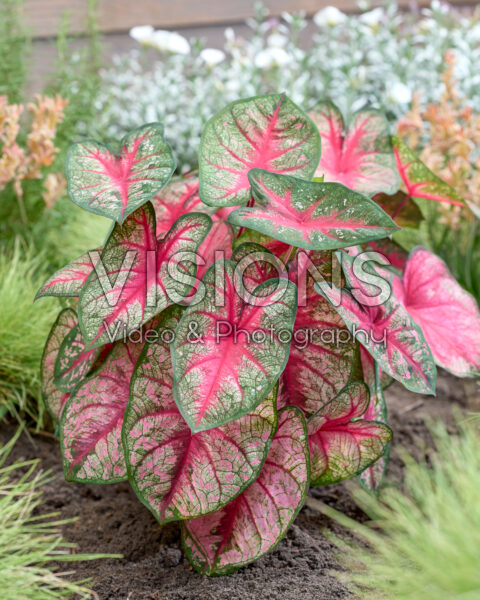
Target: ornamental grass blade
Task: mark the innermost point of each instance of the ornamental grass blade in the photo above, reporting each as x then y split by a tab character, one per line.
446	313
265	132
115	185
178	197
228	353
254	523
68	281
177	474
361	156
55	398
418	180
323	350
91	427
140	276
386	330
311	215
341	444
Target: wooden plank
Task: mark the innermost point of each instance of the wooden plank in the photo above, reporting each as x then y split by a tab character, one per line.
44	16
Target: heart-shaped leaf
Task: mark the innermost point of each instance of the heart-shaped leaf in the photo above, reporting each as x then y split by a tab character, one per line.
254	523
178	197
419	181
341	444
323	350
372	477
217	245
395	255
447	314
400	206
115	185
140	276
177	474
257	264
55	398
361	157
228	353
266	132
73	362
387	331
311	215
91	427
68	281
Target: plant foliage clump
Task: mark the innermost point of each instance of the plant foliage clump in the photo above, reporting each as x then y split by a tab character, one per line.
234	335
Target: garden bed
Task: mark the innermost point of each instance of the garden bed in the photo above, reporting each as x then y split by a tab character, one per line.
112	520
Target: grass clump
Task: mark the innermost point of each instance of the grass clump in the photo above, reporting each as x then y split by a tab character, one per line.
29	543
23	330
422	544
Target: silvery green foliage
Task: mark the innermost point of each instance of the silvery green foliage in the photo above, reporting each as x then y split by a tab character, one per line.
377	59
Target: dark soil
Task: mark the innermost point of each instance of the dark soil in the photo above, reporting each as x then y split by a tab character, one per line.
112	520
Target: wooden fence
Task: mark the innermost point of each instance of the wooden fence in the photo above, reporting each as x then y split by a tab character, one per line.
115	16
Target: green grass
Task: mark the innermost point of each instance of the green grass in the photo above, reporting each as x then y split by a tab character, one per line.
23	330
424	543
29	543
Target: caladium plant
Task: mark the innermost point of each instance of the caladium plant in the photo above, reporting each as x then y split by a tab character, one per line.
223	360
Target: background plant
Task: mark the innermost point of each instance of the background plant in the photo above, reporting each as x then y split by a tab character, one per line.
399	556
29	543
378	59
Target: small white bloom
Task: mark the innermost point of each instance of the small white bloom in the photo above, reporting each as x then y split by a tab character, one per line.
229	34
372	17
169	41
212	56
330	16
277	40
271	57
143	34
399	93
179	44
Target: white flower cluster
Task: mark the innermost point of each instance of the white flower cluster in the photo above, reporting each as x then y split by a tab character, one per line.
376	59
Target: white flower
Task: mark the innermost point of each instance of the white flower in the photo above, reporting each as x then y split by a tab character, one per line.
212	56
330	16
229	34
143	34
372	17
399	93
277	40
271	57
170	41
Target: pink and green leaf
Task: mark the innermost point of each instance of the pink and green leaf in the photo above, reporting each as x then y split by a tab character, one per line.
418	180
323	350
69	280
177	474
394	253
255	522
446	313
55	398
115	185
265	132
361	156
219	239
400	206
311	215
220	372
178	197
387	331
341	444
73	361
91	427
137	282
257	264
